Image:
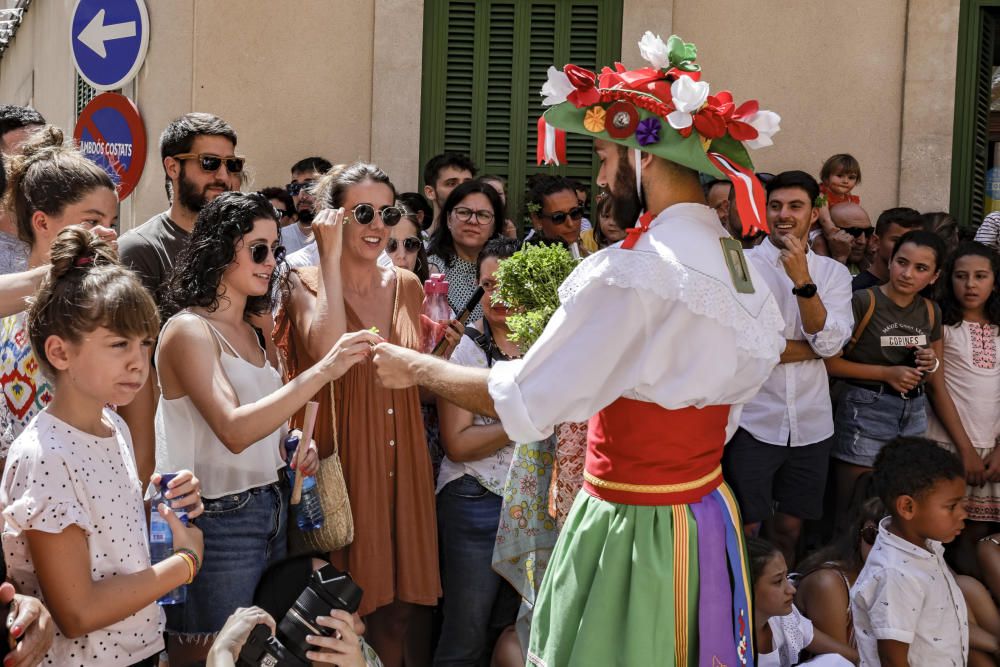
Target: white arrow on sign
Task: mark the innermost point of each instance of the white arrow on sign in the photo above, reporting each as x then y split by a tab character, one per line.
96	33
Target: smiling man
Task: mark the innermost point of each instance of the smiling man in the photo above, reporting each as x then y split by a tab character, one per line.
777	461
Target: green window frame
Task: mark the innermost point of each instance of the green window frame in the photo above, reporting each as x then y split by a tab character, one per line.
484	63
973	83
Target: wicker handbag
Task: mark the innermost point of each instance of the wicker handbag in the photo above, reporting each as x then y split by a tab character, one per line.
338	522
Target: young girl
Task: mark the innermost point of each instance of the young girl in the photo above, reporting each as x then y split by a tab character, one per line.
966	395
478	602
895	345
223	409
782	632
52	186
840	174
75	530
606	232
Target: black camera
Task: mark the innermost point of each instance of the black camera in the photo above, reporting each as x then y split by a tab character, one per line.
328	588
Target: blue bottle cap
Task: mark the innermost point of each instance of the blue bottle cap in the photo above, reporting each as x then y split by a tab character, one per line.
165	479
291	442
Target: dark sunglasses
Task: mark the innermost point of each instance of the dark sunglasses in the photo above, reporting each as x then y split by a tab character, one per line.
364	214
281	213
211	163
869	533
857	231
410	244
259	252
295	188
559	217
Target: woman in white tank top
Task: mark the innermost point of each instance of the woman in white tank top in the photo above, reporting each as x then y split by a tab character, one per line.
223	410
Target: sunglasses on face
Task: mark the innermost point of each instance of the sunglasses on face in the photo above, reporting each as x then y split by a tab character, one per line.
295	188
869	533
281	213
559	217
465	214
856	231
260	251
364	214
211	163
410	244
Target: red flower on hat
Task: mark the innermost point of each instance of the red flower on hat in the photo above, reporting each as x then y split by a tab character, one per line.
584	81
720	115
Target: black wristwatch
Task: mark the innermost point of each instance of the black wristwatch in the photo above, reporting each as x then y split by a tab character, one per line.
807	291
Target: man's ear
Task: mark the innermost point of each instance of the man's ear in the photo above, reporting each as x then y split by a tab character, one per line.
430	194
172	167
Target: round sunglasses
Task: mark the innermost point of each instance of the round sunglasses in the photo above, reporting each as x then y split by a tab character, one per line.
260	251
211	163
364	214
410	244
559	217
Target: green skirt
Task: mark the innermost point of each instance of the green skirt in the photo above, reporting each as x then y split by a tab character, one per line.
630	585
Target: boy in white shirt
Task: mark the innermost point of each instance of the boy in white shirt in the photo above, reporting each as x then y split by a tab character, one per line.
907	608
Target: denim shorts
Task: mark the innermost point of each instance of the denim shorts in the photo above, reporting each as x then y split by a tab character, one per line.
865	420
244	533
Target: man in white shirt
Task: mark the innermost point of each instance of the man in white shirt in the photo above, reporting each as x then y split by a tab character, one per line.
305	174
777	461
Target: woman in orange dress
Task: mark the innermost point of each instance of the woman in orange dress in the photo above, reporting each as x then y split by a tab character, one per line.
387	468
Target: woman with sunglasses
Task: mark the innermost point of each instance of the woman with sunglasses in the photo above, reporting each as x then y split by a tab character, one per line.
555	211
379	432
472	215
223	410
405	247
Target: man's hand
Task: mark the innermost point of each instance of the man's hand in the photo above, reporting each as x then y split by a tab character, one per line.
793	258
30	624
396	366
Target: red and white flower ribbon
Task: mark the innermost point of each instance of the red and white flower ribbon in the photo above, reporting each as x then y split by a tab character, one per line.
551	145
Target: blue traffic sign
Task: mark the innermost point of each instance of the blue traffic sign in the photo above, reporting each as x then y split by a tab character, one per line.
110	132
108	40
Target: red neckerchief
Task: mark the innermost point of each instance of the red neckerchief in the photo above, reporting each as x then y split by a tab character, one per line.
632	234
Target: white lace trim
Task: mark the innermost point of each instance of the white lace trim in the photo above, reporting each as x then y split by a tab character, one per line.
758	334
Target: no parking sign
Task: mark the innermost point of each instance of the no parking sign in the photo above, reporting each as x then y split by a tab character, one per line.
111	133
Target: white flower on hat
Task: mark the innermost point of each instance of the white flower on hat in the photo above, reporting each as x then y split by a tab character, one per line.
767	124
556	88
654	51
688	96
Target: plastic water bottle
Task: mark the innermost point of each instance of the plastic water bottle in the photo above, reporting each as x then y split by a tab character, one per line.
436	311
310	509
161	539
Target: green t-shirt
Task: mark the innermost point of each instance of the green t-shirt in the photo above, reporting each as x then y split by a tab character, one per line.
892	331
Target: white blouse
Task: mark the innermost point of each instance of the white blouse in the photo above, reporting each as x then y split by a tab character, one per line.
58	476
661	323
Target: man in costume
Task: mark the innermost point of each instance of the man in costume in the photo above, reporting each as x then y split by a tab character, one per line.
658	341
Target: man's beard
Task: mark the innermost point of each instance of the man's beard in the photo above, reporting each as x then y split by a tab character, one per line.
306	215
190	198
626	204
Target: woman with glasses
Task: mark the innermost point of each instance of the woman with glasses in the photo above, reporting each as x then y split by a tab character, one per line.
223	410
379	432
405	247
555	211
472	215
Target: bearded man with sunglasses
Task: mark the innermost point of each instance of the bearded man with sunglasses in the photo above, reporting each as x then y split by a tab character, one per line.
305	174
659	340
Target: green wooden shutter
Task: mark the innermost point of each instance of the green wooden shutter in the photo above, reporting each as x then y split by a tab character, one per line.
484	65
981	136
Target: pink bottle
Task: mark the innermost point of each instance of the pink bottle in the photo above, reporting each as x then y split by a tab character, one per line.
436	312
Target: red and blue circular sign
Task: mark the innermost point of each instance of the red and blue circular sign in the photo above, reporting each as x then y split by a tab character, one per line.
111	133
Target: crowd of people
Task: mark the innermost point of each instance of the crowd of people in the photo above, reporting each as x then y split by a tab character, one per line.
193	343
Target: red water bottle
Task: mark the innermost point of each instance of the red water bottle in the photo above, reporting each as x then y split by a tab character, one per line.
436	312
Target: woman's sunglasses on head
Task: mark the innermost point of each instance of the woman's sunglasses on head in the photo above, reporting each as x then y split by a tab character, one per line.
364	214
260	251
211	163
410	244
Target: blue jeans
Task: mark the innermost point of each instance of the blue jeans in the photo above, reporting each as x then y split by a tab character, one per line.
244	534
865	420
478	602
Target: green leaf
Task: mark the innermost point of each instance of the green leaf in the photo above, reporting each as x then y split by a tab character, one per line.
682	54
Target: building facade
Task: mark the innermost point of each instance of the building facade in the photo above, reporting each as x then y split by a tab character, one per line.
395	81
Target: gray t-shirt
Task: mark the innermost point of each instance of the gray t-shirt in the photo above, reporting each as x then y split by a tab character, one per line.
892	331
151	249
13	254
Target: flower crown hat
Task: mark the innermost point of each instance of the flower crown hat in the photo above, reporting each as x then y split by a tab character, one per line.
664	109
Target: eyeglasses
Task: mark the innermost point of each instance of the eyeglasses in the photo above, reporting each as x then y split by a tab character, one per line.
559	217
260	251
410	244
856	231
868	533
465	214
281	213
364	214
211	163
295	188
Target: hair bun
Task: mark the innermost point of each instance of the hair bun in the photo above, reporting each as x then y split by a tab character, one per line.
42	140
77	248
